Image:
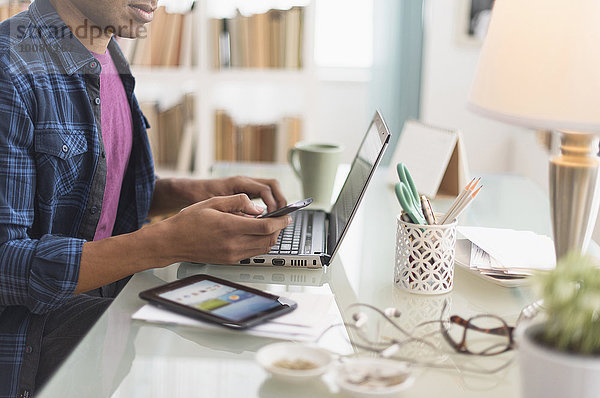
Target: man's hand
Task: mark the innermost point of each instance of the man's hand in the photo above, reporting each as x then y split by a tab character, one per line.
171	195
222	230
266	189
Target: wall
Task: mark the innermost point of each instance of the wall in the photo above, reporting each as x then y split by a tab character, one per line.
449	65
341	114
397	56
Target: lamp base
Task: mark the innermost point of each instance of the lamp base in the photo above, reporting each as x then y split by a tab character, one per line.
574	193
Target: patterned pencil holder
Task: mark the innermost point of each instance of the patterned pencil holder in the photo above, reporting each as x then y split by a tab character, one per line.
425	257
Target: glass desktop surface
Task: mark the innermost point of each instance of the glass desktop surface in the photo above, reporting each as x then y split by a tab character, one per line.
124	358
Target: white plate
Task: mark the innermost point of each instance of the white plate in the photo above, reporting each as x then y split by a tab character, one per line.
358	369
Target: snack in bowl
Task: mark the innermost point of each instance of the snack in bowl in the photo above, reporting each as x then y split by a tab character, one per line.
297	364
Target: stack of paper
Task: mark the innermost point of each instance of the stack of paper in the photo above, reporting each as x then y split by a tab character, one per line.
496	251
314	314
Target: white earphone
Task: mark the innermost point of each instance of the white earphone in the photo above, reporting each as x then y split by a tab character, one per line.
392	312
360	319
391	350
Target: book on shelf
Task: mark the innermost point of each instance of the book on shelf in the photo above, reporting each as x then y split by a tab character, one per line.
294	21
168	41
9	8
220	35
187	49
241	40
276	43
268	142
268	40
171	134
290	132
185	156
259	41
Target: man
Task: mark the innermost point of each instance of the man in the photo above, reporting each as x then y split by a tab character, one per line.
76	185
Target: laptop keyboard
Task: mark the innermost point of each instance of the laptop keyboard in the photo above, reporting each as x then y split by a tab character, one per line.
290	238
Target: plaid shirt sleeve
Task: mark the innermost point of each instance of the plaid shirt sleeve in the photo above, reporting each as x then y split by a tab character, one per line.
36	273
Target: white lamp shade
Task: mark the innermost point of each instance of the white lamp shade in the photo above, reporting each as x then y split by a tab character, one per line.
540	65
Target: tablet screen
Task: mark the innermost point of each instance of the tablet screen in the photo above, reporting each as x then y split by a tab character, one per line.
221	300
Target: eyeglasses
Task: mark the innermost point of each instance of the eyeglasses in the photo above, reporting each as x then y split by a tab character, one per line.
484	334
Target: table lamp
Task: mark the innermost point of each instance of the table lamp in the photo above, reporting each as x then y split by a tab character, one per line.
540	68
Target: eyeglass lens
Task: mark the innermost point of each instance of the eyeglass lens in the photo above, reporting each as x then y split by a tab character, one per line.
486	335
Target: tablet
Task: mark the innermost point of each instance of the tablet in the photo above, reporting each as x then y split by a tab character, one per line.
216	300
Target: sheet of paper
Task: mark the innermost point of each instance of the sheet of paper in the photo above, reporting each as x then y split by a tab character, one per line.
480	259
315	313
516	251
311	313
501	277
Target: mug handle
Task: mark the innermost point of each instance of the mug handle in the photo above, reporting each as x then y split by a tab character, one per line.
291	159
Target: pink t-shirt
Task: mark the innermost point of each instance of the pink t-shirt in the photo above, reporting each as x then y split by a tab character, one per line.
117	136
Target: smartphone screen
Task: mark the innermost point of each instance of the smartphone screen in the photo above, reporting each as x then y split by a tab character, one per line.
221	300
287	209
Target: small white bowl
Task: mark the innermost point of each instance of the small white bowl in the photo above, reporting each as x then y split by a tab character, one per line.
269	355
359	369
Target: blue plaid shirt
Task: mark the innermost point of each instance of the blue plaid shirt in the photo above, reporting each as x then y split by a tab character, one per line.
52	173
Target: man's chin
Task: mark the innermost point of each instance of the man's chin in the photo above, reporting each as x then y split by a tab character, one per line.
126	35
132	31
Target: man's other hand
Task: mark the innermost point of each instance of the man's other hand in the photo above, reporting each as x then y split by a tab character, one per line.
173	194
266	189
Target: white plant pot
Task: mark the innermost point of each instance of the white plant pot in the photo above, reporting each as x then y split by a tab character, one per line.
547	373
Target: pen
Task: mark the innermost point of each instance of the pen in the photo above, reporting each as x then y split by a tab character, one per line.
428	211
406	218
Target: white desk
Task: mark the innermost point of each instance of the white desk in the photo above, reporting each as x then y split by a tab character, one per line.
125	358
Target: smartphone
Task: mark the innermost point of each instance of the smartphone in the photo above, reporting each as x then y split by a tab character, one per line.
287	209
217	300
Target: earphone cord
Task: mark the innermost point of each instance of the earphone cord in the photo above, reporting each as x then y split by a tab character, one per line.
373	347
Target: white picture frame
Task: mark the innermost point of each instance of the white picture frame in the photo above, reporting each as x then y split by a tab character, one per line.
435	157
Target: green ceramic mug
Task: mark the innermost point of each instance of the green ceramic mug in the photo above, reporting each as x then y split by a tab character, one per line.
316	165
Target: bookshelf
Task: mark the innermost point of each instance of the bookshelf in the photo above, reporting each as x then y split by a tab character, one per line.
251	95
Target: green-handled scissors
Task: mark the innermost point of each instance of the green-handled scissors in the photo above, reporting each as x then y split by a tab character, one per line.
407	179
407	195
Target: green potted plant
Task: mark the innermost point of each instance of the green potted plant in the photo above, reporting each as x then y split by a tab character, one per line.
560	356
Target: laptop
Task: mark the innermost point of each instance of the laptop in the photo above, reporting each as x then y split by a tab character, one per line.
314	237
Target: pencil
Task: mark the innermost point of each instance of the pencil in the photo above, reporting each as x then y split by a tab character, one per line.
467	202
460	199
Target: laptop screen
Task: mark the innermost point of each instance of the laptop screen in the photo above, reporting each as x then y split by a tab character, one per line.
364	164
